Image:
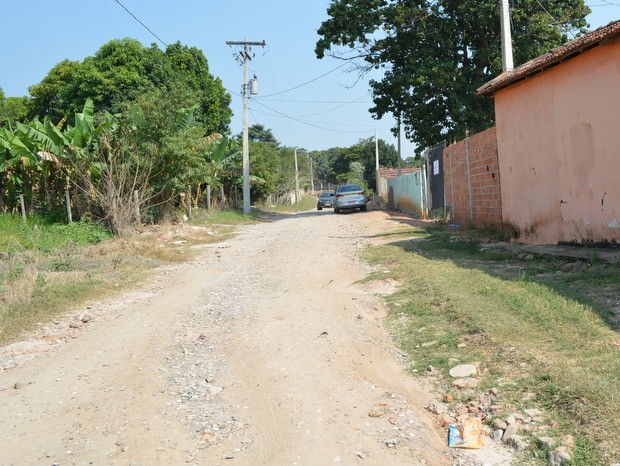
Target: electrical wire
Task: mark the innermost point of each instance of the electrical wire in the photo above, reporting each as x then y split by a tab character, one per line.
311	124
605	3
143	25
334	108
307	82
288	122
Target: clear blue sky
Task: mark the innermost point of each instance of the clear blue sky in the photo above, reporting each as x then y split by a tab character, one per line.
328	107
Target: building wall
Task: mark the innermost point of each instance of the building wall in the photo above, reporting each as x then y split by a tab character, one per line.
386	174
407	193
559	145
472	181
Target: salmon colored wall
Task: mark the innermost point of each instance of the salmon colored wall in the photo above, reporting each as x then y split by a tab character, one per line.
558	137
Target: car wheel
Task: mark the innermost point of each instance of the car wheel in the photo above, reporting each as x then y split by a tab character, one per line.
336	211
319	208
364	208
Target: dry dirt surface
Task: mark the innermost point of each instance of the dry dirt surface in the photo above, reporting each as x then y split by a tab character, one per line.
265	350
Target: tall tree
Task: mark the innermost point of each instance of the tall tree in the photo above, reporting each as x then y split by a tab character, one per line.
258	133
122	71
12	109
434	54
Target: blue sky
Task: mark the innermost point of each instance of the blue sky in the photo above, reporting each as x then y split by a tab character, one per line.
318	105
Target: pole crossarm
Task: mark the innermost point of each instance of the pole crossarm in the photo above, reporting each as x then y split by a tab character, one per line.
245	43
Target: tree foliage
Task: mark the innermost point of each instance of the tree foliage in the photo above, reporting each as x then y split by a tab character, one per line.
122	72
334	165
434	54
12	109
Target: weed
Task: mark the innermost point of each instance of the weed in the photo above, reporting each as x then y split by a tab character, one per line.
41	279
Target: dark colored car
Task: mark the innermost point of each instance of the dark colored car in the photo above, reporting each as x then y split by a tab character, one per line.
326	199
350	196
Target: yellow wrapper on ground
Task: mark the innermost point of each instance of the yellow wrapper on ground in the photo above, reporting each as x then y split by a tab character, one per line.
466	434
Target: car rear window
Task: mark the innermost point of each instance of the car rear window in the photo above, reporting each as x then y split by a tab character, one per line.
349	188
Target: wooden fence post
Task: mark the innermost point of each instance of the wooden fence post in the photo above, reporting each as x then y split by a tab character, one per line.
68	205
22	207
136	200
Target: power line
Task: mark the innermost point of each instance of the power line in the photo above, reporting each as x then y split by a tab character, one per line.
310	124
307	82
605	3
356	101
334	108
143	25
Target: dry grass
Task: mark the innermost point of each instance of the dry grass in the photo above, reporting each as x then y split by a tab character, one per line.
37	286
531	329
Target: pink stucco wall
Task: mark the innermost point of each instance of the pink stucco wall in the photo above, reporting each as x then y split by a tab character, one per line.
558	136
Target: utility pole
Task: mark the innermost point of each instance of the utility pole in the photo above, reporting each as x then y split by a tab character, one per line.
507	61
245	57
377	162
296	179
311	174
399	156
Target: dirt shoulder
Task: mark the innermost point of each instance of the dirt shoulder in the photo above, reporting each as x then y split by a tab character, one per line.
267	349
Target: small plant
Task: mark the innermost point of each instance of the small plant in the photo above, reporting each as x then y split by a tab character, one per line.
41	279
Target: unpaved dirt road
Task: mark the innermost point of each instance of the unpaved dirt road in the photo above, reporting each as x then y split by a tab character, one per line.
266	350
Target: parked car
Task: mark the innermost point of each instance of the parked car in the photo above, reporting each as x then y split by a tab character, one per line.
350	196
326	199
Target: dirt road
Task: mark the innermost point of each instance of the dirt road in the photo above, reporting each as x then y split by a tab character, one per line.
264	351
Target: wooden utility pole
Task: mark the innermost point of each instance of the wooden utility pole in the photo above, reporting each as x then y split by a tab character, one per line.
245	57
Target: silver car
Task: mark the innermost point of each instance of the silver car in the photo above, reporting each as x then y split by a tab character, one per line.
349	196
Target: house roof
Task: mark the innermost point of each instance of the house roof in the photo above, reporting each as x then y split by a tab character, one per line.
553	58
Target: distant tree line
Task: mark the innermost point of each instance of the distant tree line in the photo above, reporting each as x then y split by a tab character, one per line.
137	129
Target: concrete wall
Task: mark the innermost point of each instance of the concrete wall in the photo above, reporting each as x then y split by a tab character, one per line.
407	193
559	151
386	174
472	181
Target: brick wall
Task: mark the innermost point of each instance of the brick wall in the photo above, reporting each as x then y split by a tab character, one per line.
471	179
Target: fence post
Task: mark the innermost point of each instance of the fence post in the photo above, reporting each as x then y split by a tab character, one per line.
22	207
471	208
136	200
451	191
189	202
68	206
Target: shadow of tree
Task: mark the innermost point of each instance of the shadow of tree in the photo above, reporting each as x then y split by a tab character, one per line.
592	282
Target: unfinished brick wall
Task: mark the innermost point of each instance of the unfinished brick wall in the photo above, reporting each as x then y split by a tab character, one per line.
472	181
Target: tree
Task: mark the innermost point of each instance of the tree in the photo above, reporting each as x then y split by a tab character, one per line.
12	109
258	133
122	72
434	54
365	152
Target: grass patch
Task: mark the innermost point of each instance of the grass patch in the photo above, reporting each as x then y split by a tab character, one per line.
532	329
307	202
37	233
52	268
224	217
